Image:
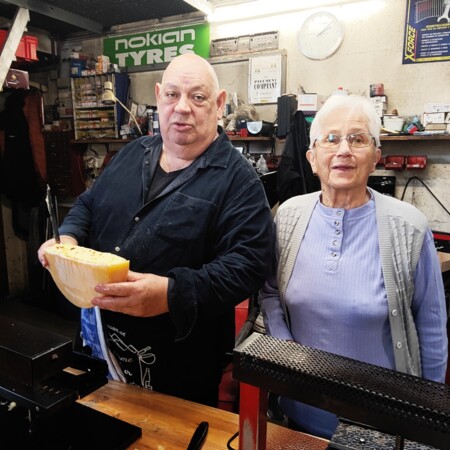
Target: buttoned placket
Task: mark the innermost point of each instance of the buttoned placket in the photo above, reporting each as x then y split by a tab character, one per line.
335	246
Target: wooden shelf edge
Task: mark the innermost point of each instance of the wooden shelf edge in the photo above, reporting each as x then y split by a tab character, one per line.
249	138
431	137
100	141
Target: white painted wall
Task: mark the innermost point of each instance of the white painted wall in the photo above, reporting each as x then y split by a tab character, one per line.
371	53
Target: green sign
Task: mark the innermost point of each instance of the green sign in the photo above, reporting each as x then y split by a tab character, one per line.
155	47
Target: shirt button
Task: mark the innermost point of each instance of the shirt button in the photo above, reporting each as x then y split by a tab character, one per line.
399	345
147	162
117	249
394	312
339	213
334	254
136	219
337	232
337	223
335	243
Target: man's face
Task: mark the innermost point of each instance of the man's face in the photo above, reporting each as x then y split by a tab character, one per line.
189	104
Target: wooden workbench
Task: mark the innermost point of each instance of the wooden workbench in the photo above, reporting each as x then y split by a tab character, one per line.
444	258
168	423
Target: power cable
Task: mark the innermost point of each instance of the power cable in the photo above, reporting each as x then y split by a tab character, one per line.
427	188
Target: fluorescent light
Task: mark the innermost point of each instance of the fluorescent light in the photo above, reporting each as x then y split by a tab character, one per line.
261	8
201	5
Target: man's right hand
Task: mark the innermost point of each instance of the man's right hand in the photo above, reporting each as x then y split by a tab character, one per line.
64	240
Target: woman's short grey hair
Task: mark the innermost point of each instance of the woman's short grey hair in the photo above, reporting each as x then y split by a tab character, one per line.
355	103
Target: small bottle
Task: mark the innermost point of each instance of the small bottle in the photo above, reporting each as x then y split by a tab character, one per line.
262	165
150	131
251	160
156	123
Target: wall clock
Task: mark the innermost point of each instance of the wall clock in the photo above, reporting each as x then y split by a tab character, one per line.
320	35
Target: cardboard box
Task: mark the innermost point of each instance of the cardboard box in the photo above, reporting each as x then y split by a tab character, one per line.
17	79
436	107
433	118
379	99
310	102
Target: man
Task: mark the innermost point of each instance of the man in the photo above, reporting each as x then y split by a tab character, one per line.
190	214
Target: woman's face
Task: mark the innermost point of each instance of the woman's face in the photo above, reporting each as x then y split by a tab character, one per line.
344	168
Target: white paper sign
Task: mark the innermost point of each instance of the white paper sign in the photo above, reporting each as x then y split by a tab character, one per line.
265	78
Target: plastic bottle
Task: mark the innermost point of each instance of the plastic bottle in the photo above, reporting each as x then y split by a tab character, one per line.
340	91
150	131
263	166
156	123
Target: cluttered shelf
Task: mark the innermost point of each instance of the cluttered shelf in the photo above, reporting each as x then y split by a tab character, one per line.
250	138
412	137
100	141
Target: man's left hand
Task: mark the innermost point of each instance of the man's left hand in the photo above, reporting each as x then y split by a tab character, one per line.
142	295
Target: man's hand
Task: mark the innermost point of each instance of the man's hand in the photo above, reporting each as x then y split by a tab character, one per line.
142	295
64	240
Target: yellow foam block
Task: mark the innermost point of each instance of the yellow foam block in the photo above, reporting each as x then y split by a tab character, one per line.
77	270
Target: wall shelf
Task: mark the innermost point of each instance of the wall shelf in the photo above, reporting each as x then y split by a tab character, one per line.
249	138
411	137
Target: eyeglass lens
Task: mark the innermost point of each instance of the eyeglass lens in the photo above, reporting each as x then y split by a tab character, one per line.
356	140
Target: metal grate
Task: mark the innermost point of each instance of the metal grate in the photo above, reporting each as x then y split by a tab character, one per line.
391	401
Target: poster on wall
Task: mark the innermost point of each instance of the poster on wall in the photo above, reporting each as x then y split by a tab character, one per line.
427	31
265	78
157	46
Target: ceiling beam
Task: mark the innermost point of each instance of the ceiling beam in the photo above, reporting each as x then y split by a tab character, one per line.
58	14
201	5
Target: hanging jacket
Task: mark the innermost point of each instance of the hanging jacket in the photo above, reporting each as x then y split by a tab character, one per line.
294	175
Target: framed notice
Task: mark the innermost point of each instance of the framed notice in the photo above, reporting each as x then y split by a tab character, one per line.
266	79
427	31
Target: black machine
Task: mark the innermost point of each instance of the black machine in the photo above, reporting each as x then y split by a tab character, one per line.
41	378
376	399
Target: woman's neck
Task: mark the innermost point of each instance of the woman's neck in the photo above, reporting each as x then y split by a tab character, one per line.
346	200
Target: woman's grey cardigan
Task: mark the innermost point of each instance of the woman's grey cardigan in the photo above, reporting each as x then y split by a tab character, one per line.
401	231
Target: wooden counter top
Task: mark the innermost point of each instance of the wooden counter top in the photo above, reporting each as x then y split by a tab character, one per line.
444	258
168	423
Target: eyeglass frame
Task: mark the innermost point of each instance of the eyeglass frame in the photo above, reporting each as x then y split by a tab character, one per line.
336	146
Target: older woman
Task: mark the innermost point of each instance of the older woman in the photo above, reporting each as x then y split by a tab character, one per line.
357	272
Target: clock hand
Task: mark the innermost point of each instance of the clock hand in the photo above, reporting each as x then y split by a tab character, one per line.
325	28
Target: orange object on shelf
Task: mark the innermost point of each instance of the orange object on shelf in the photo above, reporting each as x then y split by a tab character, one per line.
416	162
394	162
27	48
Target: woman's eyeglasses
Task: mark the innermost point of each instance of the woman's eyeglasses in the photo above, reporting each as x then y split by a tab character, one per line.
355	140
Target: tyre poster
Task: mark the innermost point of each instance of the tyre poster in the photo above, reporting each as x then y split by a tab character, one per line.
427	31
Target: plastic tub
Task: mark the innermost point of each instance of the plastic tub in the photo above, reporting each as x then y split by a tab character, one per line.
393	123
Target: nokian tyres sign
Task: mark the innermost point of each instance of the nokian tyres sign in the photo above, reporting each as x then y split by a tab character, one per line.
159	46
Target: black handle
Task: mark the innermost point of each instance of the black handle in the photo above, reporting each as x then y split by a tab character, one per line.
52	214
199	436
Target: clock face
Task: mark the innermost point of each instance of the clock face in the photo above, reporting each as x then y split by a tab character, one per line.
320	35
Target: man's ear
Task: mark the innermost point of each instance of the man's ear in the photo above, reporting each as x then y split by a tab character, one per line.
221	101
157	91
